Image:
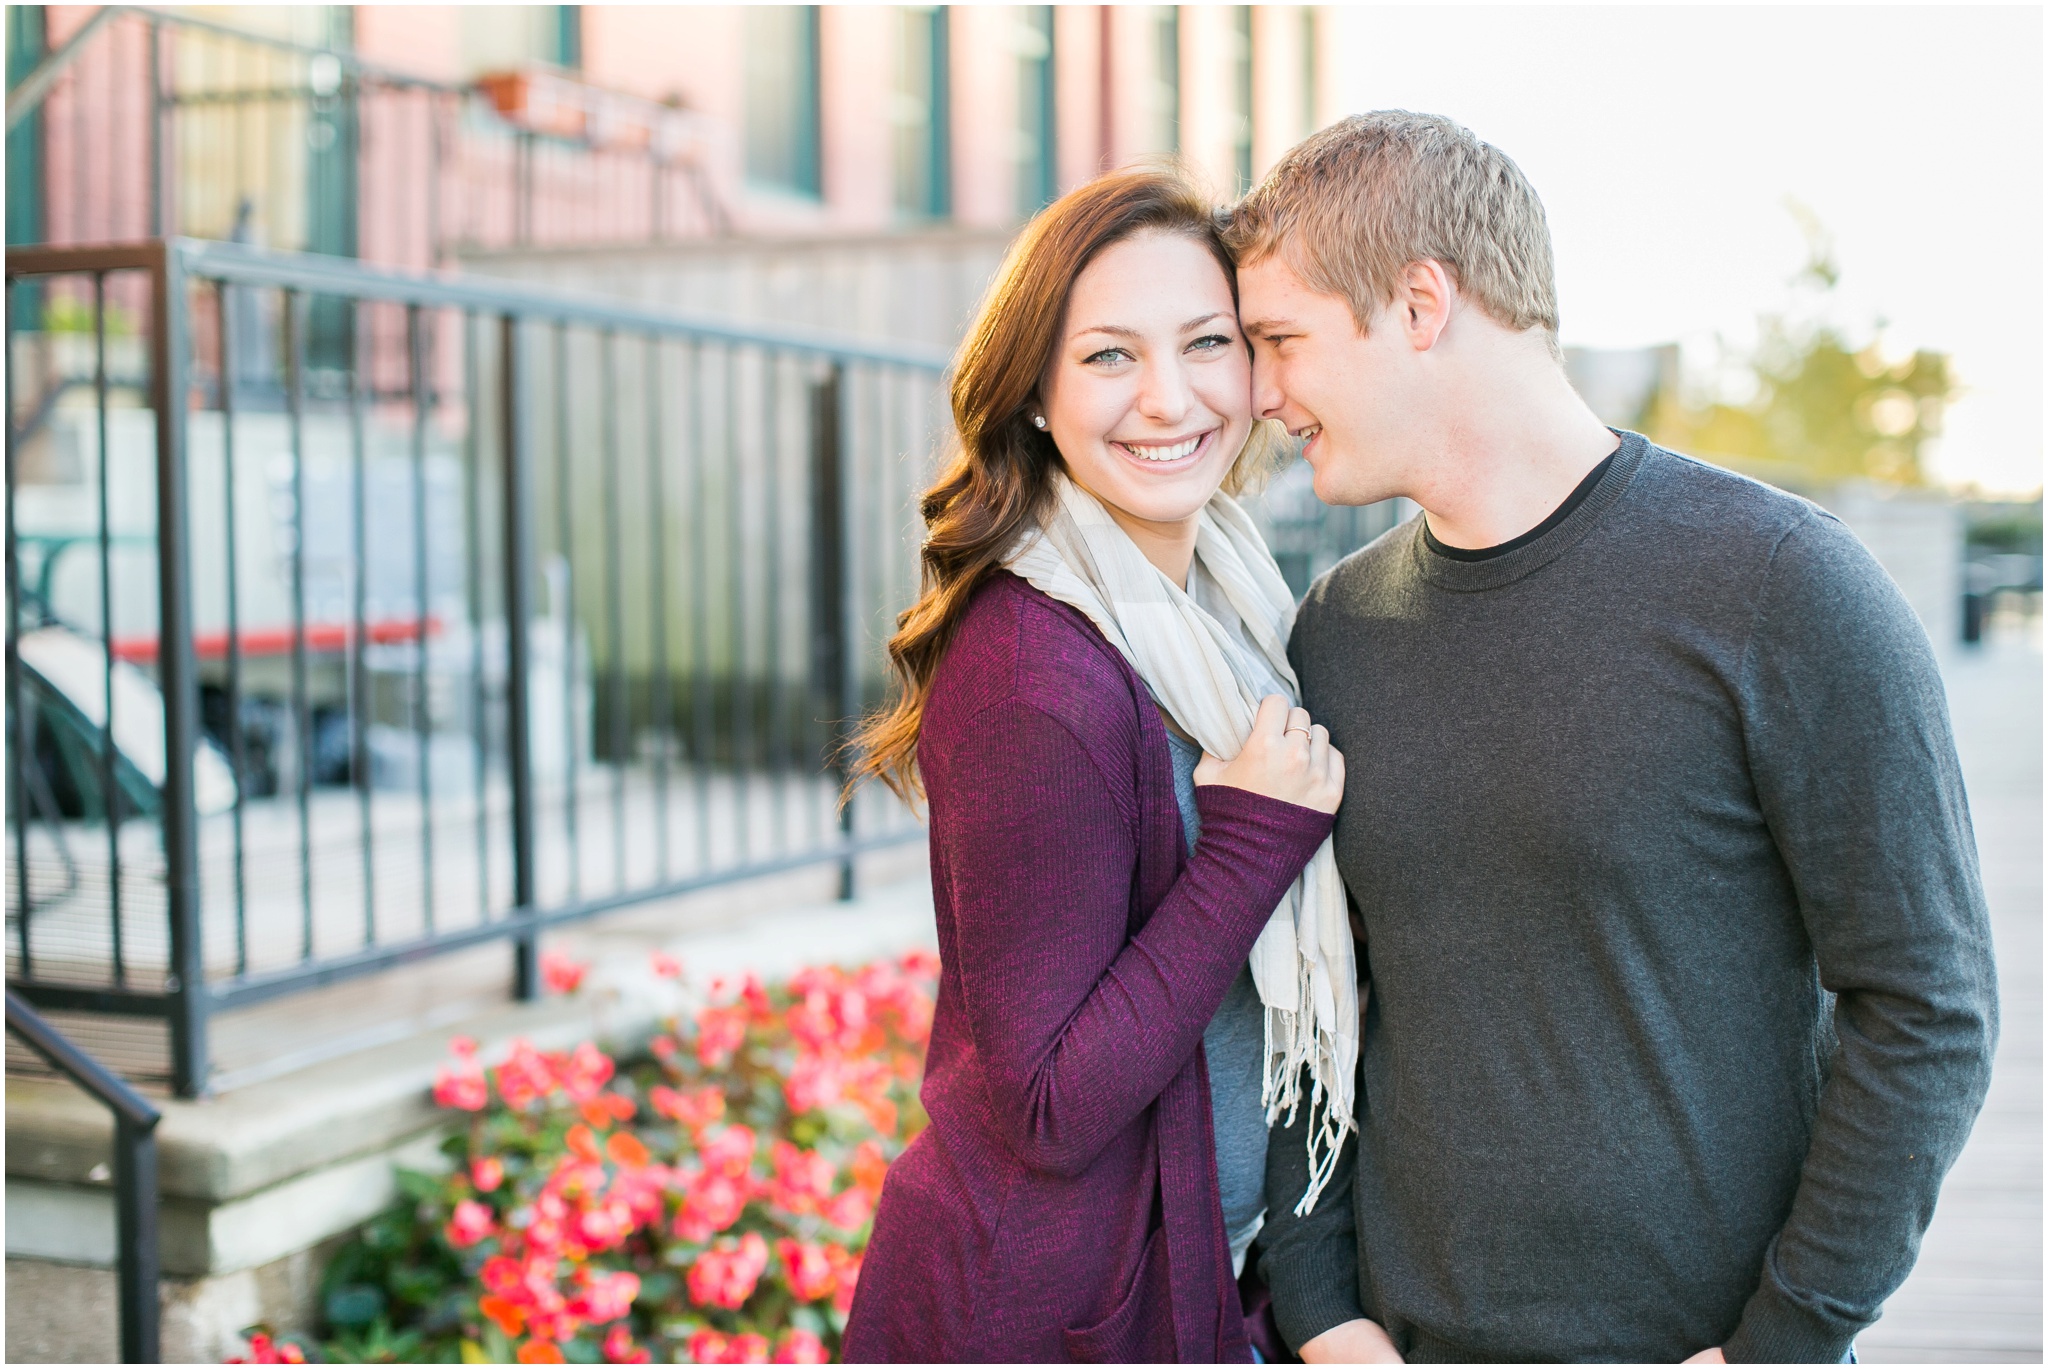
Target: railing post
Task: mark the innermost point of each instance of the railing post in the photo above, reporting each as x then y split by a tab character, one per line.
158	143
178	667
834	670
518	536
135	1179
135	1195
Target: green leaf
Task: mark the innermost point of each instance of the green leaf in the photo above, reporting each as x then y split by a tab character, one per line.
355	1304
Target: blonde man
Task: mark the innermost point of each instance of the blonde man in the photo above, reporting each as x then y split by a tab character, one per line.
1682	993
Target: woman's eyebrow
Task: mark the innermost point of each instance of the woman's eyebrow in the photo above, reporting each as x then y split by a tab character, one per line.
1117	330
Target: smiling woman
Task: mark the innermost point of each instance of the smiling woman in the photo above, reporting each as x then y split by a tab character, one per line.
1136	938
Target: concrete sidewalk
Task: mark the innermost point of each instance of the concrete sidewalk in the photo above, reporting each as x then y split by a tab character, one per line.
1976	1292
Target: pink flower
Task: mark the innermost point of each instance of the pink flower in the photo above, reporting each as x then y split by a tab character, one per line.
696	1109
720	1032
800	1347
809	1272
711	1203
619	1347
586	1070
471	1222
487	1173
525	1078
560	973
707	1346
849	1211
462	1086
802	1178
606	1297
726	1275
748	1348
730	1152
666	965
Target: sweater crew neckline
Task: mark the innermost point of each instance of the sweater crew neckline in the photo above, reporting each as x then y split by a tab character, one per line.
1468	576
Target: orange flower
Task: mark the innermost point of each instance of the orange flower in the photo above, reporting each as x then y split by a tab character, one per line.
583	1144
507	1315
625	1149
869	1167
540	1352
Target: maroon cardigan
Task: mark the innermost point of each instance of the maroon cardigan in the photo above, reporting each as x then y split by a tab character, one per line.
1063	1203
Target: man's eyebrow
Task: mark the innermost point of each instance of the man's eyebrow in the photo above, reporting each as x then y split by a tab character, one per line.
1265	326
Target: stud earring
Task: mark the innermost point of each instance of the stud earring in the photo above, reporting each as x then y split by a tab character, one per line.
1038	420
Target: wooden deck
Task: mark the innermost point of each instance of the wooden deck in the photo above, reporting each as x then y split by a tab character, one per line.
1975	1295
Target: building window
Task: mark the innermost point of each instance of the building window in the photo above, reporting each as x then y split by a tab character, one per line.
920	109
506	37
1241	95
782	97
1165	94
1037	123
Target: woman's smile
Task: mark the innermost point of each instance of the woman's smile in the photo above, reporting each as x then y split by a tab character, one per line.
1174	453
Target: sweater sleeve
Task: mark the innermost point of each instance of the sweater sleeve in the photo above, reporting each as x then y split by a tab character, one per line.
1850	749
1079	1026
1310	1263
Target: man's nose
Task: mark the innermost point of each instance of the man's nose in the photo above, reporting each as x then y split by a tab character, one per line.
1268	399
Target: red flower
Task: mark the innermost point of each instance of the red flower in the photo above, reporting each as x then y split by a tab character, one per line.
619	1348
810	1273
560	973
666	965
798	1346
487	1173
726	1276
471	1223
264	1350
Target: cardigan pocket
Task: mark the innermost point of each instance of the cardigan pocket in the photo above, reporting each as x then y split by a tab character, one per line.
1140	1329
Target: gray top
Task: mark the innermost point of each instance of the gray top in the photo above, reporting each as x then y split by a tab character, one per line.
1235	1044
1625	808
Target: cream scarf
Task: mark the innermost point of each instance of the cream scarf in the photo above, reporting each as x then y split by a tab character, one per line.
1202	674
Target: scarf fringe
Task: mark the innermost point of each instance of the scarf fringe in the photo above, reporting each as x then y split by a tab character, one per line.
1295	1039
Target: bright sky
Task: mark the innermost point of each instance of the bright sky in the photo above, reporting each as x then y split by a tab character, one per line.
1666	140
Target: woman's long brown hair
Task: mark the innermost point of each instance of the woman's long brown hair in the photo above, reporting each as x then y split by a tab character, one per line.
1000	479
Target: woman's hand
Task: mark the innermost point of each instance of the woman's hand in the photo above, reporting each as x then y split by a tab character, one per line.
1352	1342
1286	757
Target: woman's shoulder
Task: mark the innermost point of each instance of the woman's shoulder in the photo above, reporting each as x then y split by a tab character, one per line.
1015	645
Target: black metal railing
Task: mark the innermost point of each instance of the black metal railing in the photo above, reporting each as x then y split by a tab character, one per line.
134	1174
482	610
150	124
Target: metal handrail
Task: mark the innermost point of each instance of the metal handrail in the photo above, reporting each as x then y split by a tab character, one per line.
135	1175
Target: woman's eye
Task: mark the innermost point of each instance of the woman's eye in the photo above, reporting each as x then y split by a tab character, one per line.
1106	356
1212	343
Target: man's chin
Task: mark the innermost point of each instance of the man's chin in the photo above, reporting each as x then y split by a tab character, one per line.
1330	485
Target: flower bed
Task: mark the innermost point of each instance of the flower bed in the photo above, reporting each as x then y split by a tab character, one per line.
709	1205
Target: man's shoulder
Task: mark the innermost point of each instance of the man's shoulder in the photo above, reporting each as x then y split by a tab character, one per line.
1684	497
1375	569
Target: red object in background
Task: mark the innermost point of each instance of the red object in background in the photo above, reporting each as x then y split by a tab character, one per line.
547	102
277	641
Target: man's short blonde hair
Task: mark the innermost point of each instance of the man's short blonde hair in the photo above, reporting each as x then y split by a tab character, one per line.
1349	208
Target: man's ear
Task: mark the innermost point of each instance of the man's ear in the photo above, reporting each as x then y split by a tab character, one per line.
1422	302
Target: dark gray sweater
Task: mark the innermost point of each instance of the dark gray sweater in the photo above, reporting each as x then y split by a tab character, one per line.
1625	808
